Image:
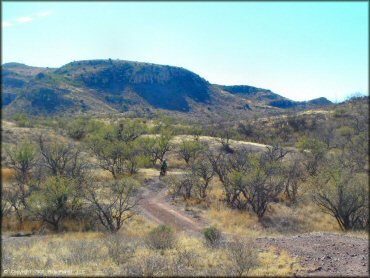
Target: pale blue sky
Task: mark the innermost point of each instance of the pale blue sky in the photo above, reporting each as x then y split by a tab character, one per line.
301	50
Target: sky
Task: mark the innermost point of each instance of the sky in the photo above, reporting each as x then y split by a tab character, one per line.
301	50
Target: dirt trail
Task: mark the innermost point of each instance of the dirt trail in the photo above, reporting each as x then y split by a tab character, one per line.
319	254
155	207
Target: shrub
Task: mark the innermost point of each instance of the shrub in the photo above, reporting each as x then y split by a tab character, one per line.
76	129
185	262
242	256
213	236
118	249
161	237
189	150
113	202
23	120
149	266
82	252
54	201
343	194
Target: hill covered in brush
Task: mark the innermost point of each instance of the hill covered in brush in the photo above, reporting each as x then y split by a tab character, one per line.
109	86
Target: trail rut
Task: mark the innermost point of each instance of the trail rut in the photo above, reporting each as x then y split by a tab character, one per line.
154	206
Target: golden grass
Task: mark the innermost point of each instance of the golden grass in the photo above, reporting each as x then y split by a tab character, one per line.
103	175
174	162
148	173
138	226
230	221
274	263
307	217
28	226
192	202
316	220
53	248
234	222
74	236
7	174
50	251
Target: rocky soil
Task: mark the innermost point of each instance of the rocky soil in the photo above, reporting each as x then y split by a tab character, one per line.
319	254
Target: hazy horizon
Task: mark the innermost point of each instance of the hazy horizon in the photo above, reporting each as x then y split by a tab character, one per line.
298	50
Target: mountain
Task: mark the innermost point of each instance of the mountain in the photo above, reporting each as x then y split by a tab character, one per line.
269	98
112	86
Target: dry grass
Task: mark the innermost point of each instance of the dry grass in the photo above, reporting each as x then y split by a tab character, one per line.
87	253
138	226
211	141
279	220
11	224
234	222
316	220
174	162
7	174
148	173
277	264
214	141
103	175
230	221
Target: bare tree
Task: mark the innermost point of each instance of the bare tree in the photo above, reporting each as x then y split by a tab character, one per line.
275	153
129	131
203	170
189	150
22	159
263	183
249	179
182	185
314	152
61	158
222	168
240	160
242	256
113	202
326	133
343	194
224	133
294	175
133	154
54	200
228	167
156	148
6	206
110	155
12	199
353	148
247	129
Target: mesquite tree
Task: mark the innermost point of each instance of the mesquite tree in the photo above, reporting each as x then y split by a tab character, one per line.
56	198
343	194
113	202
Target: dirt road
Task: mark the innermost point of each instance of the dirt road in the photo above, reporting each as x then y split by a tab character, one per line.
154	206
319	254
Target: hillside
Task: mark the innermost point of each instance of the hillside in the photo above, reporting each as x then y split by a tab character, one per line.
113	86
268	97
